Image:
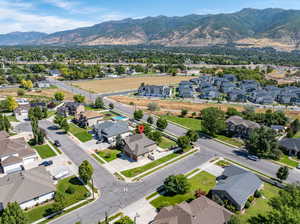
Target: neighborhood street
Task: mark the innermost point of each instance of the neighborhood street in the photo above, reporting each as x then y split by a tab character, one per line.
113	196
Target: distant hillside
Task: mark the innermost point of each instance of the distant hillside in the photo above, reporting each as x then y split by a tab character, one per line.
21	38
276	28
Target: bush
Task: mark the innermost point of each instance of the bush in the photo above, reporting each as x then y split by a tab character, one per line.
257	194
70	190
176	184
251	199
21	92
247	205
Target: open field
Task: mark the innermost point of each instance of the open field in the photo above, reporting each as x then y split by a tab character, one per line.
123	84
45	92
172	104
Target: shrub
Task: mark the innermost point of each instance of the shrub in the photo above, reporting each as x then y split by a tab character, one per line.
257	194
247	205
21	92
70	190
251	198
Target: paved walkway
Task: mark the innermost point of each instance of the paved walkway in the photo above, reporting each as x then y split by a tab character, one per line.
214	170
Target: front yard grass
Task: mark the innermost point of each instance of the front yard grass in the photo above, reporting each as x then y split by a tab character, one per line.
44	151
109	154
166	143
12	118
138	170
62	185
80	133
228	140
260	205
203	181
286	160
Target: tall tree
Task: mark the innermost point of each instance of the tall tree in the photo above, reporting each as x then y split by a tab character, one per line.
11	103
161	123
59	96
13	214
86	171
99	103
176	184
138	115
283	173
213	120
79	98
192	135
65	125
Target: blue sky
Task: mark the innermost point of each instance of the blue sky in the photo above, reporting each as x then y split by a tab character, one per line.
56	15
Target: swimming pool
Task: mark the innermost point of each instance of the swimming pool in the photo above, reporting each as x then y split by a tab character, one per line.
120	118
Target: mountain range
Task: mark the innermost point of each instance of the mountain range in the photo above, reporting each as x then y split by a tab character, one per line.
277	28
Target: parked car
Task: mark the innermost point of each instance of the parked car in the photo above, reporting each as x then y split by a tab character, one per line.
57	143
46	163
151	156
253	158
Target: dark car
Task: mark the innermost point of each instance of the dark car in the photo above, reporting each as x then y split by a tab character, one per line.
57	143
46	163
253	158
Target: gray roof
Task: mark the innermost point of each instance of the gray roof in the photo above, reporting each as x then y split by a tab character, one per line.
25	185
111	128
239	184
237	120
290	144
138	144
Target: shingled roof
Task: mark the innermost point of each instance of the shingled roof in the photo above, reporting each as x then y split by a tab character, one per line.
237	120
200	211
138	144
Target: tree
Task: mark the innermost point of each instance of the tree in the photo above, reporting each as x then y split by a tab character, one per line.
111	106
26	84
213	120
283	173
120	69
161	123
231	111
99	103
4	123
119	142
183	142
155	136
262	142
58	119
285	208
138	115
38	133
153	106
11	103
79	98
234	220
176	184
184	112
36	113
192	135
59	96
65	125
150	120
86	171
13	214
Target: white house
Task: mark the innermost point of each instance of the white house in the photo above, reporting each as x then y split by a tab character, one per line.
27	188
15	153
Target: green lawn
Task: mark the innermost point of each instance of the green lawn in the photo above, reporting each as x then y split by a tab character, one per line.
166	143
50	113
203	181
138	170
79	194
12	118
260	205
44	151
109	154
297	135
228	140
191	123
54	146
286	160
80	133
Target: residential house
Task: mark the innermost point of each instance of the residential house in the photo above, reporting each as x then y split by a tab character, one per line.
210	94
87	118
54	73
155	91
236	185
230	77
138	146
107	131
237	95
27	188
70	108
43	84
291	146
226	87
199	211
186	91
240	127
278	128
21	112
14	153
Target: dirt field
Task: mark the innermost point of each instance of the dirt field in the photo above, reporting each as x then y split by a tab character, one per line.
45	92
123	84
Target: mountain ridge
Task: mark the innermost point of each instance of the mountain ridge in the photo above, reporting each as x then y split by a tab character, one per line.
272	27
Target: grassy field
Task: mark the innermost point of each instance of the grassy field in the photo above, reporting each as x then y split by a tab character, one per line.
191	123
203	181
260	206
79	194
228	140
166	143
286	160
123	84
12	119
80	133
109	154
44	151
